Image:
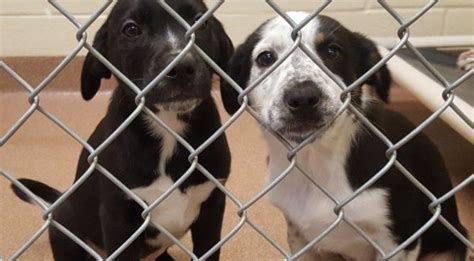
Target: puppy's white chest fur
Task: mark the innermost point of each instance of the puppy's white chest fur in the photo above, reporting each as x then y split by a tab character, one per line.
311	211
179	210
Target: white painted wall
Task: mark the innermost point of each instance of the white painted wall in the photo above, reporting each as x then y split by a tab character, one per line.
35	28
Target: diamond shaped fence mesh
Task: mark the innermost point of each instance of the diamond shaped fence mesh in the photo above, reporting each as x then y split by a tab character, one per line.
34	93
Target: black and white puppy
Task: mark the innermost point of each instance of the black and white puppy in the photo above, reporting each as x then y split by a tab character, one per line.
140	38
298	99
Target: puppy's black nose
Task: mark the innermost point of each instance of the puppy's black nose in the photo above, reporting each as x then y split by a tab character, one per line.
302	97
183	70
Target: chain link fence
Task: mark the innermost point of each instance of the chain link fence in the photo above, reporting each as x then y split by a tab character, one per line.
243	207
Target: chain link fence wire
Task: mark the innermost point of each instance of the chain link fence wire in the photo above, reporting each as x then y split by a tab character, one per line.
243	207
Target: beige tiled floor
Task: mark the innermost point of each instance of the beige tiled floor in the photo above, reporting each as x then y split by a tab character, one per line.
42	151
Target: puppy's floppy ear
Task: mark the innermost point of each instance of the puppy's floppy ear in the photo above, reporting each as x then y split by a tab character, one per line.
224	47
238	69
93	70
369	56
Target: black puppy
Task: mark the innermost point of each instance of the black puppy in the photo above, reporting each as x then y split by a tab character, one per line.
140	38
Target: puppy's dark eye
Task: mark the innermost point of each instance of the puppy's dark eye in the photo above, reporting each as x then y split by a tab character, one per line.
334	51
131	29
266	59
199	16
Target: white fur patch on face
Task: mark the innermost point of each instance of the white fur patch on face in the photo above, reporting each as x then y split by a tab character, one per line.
172	39
267	98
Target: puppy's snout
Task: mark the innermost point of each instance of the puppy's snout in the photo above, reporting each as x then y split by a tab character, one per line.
303	97
184	70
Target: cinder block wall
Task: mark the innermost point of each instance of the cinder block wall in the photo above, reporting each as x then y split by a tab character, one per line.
35	28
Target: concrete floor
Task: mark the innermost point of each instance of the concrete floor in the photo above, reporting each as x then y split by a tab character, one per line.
42	151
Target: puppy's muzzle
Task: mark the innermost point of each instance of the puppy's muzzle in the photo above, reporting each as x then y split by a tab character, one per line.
185	86
303	110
